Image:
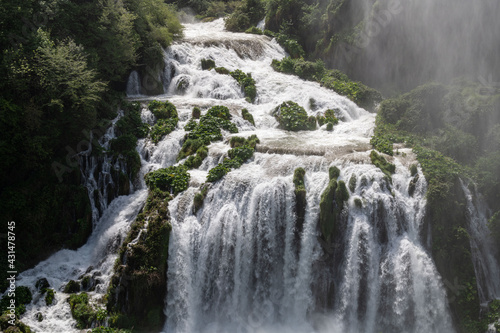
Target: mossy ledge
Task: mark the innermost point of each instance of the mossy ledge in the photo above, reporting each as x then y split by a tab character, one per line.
332	204
300	200
136	293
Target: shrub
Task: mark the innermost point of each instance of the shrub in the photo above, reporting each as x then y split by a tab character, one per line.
190	125
123	143
219	111
241	154
173	179
293	117
217	173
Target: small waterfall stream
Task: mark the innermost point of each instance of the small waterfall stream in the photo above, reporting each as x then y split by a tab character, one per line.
239	264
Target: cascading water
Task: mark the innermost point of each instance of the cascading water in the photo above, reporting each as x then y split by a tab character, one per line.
240	264
485	264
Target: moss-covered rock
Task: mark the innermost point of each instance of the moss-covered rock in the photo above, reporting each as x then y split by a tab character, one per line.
72	287
207	64
196	113
173	179
49	297
352	183
300	199
247	116
333	172
293	117
331	205
138	287
380	162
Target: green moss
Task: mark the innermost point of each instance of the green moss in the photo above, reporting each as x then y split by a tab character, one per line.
247	116
190	125
352	183
138	286
217	172
189	147
329	127
293	117
413	170
163	110
199	198
49	297
84	313
219	111
300	197
194	162
207	64
162	128
380	162
358	203
247	83
321	120
327	215
333	172
359	93
237	156
254	30
222	70
173	179
196	113
72	287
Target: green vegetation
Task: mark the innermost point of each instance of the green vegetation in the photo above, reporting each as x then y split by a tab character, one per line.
362	95
207	64
22	297
62	65
135	296
331	204
453	131
246	82
300	197
72	287
196	113
173	179
293	117
85	313
380	162
242	151
167	119
245	16
247	116
49	297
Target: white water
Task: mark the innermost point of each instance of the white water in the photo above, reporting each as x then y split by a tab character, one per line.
482	248
237	266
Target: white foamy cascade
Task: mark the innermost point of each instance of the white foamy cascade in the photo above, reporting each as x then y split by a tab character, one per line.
482	248
134	85
239	264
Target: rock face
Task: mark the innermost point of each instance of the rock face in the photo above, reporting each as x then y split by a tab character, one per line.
138	288
331	205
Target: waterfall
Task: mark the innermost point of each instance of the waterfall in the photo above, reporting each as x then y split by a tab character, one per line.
133	84
486	265
241	263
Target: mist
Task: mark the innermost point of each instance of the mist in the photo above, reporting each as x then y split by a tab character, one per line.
404	43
